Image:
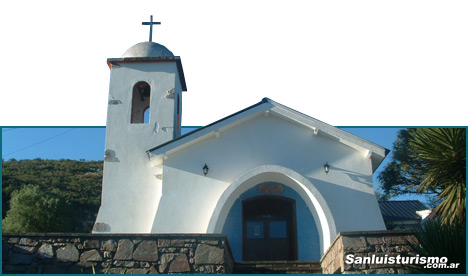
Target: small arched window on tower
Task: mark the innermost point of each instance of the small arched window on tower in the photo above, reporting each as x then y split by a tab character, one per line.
141	103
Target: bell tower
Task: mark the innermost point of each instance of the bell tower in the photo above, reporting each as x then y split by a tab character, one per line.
144	111
145	91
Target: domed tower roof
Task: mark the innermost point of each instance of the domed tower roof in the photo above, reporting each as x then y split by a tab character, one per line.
147	49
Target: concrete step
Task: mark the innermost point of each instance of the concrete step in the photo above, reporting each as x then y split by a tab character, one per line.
278	267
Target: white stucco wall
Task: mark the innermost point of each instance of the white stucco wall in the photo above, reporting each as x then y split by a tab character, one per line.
130	191
189	198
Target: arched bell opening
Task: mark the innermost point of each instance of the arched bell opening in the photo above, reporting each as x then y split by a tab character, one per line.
141	103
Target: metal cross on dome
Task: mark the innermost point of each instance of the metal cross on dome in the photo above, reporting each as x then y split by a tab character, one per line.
151	23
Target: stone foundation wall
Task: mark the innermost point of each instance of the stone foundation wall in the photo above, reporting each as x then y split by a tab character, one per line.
116	253
367	244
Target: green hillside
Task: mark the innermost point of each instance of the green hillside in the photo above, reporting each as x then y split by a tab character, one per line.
68	192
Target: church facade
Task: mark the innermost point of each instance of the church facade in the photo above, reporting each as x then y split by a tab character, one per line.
279	184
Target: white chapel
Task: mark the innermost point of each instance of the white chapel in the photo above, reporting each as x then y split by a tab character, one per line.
279	184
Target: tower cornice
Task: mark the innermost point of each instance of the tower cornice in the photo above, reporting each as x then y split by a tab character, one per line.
111	62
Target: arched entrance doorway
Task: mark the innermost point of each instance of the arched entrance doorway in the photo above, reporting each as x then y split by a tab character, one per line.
224	220
269	229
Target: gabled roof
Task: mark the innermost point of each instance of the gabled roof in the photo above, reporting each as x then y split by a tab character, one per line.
269	107
401	210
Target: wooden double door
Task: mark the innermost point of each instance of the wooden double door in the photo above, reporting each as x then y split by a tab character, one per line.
269	229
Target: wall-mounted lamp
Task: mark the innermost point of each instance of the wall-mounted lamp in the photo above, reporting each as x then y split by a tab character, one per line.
326	167
205	169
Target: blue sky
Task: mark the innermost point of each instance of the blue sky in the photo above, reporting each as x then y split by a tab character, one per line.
53	143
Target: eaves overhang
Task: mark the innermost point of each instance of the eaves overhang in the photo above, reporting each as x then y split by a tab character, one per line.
111	62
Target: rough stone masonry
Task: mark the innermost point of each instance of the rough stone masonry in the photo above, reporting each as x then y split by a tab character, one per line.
116	253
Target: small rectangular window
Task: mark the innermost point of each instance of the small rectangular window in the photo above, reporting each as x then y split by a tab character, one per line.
255	230
278	229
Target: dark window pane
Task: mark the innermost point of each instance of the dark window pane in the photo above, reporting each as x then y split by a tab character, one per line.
278	229
255	230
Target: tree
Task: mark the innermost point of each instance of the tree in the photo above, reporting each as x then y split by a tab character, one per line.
403	173
33	210
442	152
430	161
78	183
